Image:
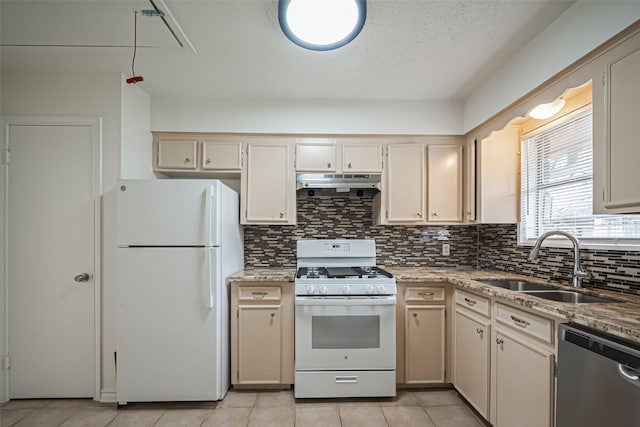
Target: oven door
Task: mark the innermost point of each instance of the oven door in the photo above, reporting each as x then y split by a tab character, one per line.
345	333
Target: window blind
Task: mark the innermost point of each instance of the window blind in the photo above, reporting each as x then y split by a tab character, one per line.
557	185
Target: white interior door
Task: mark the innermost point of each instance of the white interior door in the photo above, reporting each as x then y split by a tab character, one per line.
50	207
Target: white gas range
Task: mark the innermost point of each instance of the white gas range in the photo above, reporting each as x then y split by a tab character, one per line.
345	321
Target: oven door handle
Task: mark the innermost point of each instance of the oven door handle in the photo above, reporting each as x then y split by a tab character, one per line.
390	300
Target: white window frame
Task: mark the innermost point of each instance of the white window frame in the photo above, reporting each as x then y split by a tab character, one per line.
622	244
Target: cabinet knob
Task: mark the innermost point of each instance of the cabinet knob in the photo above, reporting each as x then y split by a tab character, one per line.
478	330
499	341
329	164
435	214
273	315
187	160
281	214
208	161
419	214
349	165
415	314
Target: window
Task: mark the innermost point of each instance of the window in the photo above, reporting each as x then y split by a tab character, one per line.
557	186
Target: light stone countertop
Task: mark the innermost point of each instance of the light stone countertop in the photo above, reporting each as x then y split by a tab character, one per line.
620	319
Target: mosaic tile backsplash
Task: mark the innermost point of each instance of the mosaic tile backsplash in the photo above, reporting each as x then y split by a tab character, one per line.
351	218
610	270
488	246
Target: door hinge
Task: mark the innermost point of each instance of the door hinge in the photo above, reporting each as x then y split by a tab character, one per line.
555	369
603	79
603	195
237	375
387	212
237	313
245	214
6	362
7	157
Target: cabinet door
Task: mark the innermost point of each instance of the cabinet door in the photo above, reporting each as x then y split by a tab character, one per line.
315	158
269	195
424	344
524	382
174	154
362	158
499	178
405	183
221	156
622	92
259	344
444	181
471	359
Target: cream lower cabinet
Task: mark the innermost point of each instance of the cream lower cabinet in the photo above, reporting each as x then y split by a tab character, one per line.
523	363
261	334
268	193
472	357
503	361
421	333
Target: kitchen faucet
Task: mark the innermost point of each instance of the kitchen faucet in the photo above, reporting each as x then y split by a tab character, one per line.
578	273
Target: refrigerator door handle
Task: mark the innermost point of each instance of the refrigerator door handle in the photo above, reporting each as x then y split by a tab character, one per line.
207	214
210	277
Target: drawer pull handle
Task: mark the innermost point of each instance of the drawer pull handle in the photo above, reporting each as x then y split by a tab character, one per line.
426	294
470	301
520	322
346	380
259	295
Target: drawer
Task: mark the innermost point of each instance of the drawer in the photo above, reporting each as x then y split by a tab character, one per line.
475	303
424	294
528	323
259	293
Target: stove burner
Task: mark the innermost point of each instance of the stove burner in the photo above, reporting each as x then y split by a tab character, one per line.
341	272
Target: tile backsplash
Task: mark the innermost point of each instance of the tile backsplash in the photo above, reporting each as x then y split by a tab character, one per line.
610	270
343	217
488	246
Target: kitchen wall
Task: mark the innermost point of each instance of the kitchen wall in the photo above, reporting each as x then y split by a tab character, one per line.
82	94
611	270
340	217
307	116
579	30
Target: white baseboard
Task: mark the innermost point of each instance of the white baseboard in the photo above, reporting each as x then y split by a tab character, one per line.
107	396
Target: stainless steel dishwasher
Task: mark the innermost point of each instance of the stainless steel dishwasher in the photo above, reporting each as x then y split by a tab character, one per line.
598	379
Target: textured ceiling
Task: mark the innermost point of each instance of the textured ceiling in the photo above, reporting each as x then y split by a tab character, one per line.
408	50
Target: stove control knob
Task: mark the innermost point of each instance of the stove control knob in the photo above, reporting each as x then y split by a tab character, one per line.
310	289
323	289
370	289
381	289
346	289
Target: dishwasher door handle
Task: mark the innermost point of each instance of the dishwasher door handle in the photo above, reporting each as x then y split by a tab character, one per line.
629	374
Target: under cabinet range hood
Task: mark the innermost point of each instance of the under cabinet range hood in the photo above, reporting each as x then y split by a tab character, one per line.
327	184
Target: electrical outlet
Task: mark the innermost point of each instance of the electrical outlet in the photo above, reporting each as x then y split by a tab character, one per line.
445	249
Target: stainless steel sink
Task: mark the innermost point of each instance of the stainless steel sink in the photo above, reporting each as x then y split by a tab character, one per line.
568	296
518	285
546	292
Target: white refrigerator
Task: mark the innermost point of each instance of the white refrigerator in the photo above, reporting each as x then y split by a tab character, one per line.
178	243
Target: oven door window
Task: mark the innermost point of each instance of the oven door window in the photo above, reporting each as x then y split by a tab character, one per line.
345	332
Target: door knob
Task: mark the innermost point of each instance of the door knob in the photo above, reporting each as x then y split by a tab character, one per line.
83	277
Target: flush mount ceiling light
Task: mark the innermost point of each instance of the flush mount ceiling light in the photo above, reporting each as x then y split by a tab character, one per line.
545	111
321	24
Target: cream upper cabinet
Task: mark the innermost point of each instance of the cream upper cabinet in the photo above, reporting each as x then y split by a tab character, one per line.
221	156
405	184
471	358
444	183
616	144
361	158
499	178
320	157
261	334
176	154
268	185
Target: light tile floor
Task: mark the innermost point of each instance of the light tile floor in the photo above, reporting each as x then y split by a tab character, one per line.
440	408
